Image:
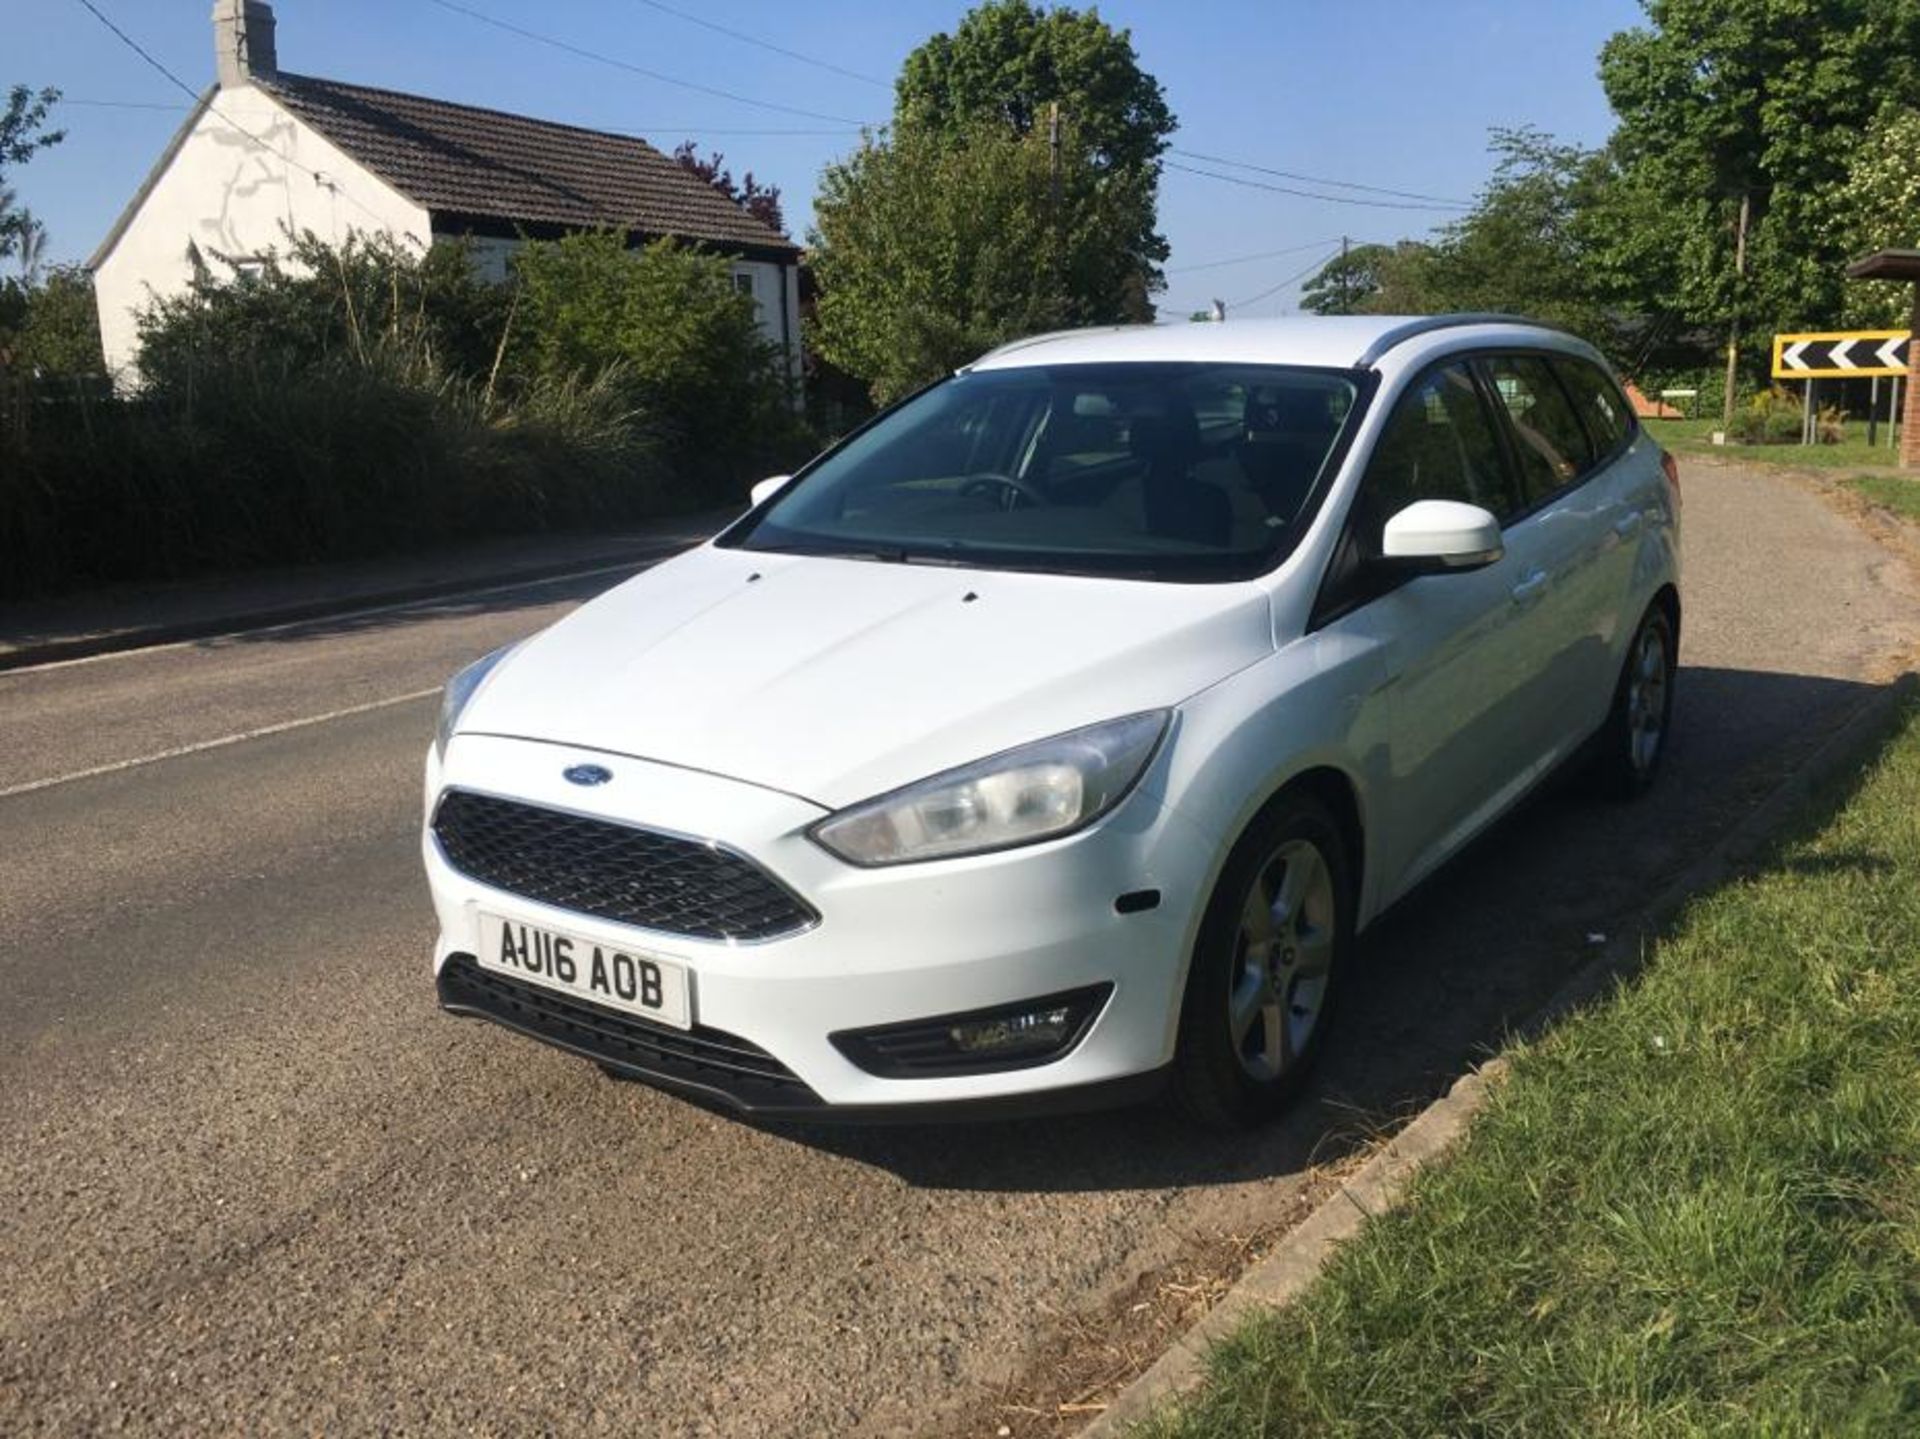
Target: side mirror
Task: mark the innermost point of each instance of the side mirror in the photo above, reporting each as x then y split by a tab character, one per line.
1433	537
765	490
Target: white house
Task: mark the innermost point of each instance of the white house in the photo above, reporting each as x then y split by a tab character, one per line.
265	152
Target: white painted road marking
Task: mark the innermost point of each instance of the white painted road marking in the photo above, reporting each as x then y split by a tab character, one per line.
206	744
334	617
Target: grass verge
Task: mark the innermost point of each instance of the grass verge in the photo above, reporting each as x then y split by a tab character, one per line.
1695	437
1899	493
1692	1208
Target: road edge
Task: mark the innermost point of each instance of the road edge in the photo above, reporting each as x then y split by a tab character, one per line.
232	622
1285	1273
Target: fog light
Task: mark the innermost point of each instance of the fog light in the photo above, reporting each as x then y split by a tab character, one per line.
1011	1036
1041	1029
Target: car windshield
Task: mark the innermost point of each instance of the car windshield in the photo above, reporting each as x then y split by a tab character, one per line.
1171	471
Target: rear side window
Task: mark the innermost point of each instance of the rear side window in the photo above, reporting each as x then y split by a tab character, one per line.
1598	400
1551	443
1439	444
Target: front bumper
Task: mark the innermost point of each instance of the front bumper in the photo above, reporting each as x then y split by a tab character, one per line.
891	946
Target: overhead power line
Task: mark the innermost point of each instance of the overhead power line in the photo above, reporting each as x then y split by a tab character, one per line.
125	104
1249	259
1311	195
755	40
1299	274
1318	179
585	54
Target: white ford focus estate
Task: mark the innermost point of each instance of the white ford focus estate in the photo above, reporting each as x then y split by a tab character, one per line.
1049	740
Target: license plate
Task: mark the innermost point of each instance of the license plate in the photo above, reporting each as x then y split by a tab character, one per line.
641	984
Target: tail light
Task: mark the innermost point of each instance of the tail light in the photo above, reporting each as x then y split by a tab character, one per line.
1671	467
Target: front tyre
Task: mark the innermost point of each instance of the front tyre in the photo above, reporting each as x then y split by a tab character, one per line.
1633	741
1266	967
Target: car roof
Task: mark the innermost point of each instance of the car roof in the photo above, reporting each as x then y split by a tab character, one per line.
1330	341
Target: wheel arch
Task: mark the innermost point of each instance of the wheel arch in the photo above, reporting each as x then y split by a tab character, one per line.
1668	598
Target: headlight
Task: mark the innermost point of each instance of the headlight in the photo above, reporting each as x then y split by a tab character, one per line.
460	689
1022	796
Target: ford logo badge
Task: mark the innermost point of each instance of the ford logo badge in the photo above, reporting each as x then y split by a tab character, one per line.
586	774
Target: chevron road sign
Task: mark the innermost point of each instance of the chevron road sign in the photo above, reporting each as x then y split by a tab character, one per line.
1844	354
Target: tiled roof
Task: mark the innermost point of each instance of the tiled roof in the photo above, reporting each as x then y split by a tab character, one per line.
463	160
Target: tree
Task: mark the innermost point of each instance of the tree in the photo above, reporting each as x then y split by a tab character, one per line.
929	253
760	201
1525	247
1767	99
51	327
668	317
23	134
1878	207
1008	64
1371	280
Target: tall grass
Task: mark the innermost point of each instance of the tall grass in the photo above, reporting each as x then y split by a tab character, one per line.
241	464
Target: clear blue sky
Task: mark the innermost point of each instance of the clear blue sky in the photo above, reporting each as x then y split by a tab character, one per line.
1393	93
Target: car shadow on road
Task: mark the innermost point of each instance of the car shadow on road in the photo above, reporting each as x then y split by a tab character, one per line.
1443	979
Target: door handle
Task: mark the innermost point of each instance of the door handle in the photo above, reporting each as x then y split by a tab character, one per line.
1628	526
1530	589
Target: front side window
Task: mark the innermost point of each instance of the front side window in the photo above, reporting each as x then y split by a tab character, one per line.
1552	446
1182	471
1439	444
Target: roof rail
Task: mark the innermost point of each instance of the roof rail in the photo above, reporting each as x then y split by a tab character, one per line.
1425	324
1027	341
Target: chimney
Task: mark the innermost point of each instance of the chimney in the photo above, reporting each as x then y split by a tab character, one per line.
242	41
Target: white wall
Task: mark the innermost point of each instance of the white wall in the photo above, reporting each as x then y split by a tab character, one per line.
225	194
776	293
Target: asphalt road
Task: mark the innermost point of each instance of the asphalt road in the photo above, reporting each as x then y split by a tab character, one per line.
251	1179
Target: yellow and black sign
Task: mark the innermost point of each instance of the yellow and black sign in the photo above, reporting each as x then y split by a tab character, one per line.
1840	354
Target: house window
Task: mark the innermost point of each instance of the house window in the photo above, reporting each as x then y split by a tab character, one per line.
743	285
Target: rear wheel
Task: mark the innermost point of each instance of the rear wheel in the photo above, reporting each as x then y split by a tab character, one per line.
1634	739
1266	968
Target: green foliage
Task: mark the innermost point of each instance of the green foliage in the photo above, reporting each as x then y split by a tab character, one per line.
1372	280
322	300
671	318
966	225
1009	62
930	253
1769	417
1526	247
51	327
23	134
1877	207
359	399
1766	98
262	463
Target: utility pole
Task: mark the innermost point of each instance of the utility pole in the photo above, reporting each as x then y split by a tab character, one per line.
1346	305
1053	197
1053	158
1733	322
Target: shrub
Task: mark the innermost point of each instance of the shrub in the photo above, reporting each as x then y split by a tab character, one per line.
1770	417
256	465
50	327
671	317
321	301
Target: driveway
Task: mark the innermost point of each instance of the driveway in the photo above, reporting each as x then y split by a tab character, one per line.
251	1179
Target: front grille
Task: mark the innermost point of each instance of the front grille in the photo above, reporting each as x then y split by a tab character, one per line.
636	876
708	1060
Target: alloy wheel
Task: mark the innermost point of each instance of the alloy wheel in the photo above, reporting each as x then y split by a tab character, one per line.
1283	959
